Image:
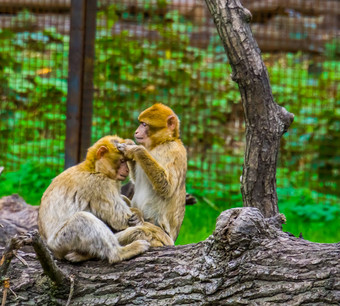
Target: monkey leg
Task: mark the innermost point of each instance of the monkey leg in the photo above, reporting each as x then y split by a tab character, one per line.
84	236
148	231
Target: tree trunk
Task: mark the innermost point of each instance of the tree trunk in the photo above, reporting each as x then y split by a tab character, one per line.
247	261
265	120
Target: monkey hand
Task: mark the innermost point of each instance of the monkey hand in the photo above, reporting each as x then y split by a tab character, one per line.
127	150
136	218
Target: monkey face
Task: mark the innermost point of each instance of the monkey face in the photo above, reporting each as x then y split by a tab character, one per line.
158	124
115	166
142	134
122	170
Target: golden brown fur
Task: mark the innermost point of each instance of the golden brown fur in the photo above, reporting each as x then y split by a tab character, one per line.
146	231
158	169
80	204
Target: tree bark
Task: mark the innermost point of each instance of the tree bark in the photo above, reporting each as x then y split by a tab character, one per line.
247	261
265	120
16	217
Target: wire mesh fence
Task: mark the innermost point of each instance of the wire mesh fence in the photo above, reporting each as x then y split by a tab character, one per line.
150	51
33	72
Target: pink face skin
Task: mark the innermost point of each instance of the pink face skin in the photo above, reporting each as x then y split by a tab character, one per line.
123	170
142	134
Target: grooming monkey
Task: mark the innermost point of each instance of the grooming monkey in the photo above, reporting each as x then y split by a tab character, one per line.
80	204
158	168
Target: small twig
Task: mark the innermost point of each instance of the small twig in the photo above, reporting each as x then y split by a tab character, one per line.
45	258
16	296
1	225
47	262
14	244
71	290
6	287
60	279
1	169
211	204
24	262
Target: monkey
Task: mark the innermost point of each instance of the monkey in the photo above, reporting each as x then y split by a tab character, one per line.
82	205
158	168
144	231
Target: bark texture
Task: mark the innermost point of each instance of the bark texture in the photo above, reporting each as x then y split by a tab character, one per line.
247	261
16	217
265	120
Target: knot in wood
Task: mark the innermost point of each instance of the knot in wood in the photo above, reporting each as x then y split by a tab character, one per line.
286	118
237	228
235	77
247	15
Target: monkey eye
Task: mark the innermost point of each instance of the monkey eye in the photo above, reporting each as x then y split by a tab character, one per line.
122	161
143	124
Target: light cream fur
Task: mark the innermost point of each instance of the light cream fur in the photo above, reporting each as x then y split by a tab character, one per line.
78	208
160	185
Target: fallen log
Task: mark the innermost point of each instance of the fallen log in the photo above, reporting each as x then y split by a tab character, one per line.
246	261
16	217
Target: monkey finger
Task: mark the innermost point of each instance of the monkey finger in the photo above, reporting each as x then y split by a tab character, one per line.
134	220
121	147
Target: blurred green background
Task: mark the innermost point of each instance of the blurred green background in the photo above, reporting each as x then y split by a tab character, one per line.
161	53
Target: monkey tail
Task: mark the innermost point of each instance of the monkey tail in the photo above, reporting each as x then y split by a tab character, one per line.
133	249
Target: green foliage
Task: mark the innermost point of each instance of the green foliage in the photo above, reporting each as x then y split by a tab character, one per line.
316	222
34	81
131	73
30	182
333	49
199	222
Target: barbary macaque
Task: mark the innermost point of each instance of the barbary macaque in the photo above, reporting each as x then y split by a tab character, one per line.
83	205
158	168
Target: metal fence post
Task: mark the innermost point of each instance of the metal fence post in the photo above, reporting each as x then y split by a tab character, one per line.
80	80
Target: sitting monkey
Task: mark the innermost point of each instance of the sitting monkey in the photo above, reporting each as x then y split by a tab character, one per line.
80	204
158	168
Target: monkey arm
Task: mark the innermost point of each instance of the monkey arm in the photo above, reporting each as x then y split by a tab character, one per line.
159	176
165	173
116	213
132	168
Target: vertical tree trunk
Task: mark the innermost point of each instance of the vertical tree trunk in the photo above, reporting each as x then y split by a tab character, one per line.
265	120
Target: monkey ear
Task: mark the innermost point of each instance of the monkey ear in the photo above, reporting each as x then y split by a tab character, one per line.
172	122
101	152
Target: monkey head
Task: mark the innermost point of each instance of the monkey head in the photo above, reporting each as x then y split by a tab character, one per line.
158	124
104	157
